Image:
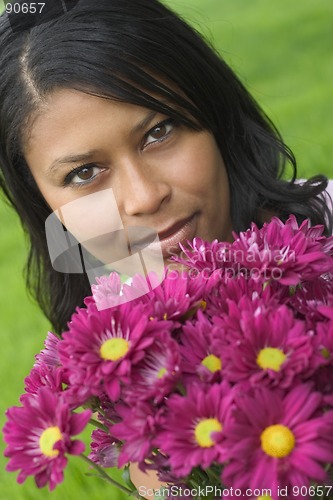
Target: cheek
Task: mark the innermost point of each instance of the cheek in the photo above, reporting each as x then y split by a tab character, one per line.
86	216
92	215
54	196
94	221
199	168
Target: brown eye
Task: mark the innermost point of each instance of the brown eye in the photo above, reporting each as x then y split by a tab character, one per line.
160	132
82	175
86	173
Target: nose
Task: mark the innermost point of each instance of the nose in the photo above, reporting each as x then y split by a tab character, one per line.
141	189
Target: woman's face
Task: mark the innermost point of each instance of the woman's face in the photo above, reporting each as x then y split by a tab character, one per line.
142	169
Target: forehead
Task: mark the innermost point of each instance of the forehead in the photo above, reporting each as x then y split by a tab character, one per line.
65	108
70	118
68	104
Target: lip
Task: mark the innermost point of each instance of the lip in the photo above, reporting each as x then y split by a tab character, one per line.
179	232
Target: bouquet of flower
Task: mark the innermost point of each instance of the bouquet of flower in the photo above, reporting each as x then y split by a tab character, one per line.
220	379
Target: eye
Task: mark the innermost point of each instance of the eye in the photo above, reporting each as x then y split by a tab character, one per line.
82	175
160	132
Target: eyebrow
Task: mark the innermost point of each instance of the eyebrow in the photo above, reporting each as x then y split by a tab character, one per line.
90	154
72	159
144	122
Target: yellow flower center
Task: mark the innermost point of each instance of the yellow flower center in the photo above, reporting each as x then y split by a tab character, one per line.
265	285
277	441
325	353
271	357
48	439
213	363
161	373
265	497
165	316
203	305
203	431
114	349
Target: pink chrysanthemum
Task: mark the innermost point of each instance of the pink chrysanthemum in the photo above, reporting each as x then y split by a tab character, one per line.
140	286
110	291
194	427
201	255
160	464
108	414
312	299
233	290
326	310
38	436
286	252
50	355
201	351
43	375
270	347
322	340
237	305
104	449
323	360
177	297
101	347
138	430
157	374
107	292
278	441
236	493
323	380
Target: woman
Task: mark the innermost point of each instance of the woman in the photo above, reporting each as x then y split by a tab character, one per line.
125	95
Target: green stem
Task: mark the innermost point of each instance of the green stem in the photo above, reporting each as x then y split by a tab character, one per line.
181	389
101	411
199	476
95	423
109	479
212	475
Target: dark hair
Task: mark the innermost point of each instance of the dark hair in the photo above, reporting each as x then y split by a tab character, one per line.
128	50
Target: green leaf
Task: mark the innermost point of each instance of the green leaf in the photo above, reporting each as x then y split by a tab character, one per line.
161	493
127	478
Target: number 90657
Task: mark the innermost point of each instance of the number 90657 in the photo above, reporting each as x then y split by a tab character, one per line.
24	8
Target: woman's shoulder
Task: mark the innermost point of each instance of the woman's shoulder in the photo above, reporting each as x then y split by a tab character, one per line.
329	188
328	193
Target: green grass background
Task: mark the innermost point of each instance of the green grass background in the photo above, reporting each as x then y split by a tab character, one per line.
283	51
